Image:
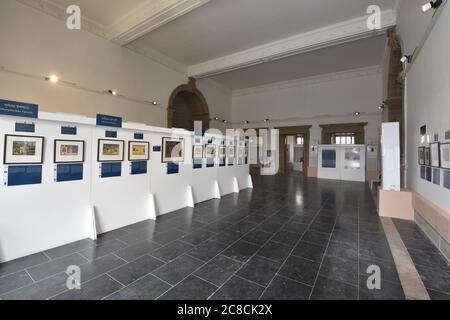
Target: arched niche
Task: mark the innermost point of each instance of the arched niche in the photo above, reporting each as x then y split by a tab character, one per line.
186	105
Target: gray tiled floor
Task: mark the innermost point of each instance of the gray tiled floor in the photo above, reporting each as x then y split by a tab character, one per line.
288	238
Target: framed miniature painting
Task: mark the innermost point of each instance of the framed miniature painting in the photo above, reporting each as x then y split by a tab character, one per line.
173	150
138	151
23	150
110	150
69	151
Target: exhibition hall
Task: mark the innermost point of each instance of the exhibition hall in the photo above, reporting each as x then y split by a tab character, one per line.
252	151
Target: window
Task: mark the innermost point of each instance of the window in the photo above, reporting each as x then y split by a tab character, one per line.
343	138
300	140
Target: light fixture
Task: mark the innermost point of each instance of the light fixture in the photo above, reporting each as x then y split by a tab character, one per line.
266	120
112	92
224	121
245	121
155	103
53	78
381	107
357	113
216	118
406	59
431	5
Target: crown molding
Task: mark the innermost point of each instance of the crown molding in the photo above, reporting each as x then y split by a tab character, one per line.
58	12
150	16
329	77
336	34
220	87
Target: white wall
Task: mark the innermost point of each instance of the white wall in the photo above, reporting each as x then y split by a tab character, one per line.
428	91
326	100
38	44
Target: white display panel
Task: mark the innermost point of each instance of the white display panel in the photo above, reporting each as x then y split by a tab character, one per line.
390	151
342	162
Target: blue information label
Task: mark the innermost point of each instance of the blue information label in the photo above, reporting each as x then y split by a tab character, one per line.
111	134
113	169
18	109
69	172
156	148
109	121
69	130
138	136
138	167
24	175
173	168
25	127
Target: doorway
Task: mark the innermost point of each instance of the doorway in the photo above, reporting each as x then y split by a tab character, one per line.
299	136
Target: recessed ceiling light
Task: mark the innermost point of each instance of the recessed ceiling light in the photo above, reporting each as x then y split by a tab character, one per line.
357	113
114	93
155	103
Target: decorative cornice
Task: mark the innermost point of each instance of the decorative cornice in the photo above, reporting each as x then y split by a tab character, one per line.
339	33
88	25
342	75
150	16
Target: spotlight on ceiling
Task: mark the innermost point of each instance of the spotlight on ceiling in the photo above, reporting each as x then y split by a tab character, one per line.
224	121
216	118
53	78
112	92
357	113
406	59
245	121
381	107
431	5
155	103
266	120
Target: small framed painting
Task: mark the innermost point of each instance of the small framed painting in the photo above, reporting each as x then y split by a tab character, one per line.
435	157
445	155
173	150
23	150
210	151
246	152
197	152
421	156
241	152
69	151
110	150
427	157
222	152
230	152
138	151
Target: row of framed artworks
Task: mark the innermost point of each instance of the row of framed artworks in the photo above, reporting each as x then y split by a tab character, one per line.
29	150
437	155
209	151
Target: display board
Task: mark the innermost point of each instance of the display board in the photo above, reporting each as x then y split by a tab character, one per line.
342	162
120	191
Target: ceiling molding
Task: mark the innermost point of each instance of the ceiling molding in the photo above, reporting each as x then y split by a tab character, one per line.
220	87
332	35
88	25
150	16
342	75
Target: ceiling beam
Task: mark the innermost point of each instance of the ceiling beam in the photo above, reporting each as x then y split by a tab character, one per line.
332	35
148	17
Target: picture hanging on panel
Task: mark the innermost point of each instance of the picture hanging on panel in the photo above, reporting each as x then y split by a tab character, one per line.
246	151
222	152
435	157
230	152
173	150
422	156
210	151
352	158
110	150
197	152
445	155
69	151
427	157
138	151
241	152
23	149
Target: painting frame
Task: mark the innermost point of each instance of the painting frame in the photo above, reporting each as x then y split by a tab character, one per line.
427	157
435	154
58	143
421	156
166	159
241	152
222	154
111	158
231	152
8	157
445	151
144	157
213	147
197	151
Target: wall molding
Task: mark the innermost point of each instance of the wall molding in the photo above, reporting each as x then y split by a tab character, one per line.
329	77
343	32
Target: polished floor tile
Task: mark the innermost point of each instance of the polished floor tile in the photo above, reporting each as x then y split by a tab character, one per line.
282	288
238	289
259	270
192	288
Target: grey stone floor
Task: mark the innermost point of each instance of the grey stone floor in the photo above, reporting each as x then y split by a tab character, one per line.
288	238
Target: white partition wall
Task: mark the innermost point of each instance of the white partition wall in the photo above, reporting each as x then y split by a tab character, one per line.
342	162
50	214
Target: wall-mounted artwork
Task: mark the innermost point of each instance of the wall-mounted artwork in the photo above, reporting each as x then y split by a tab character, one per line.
329	159
352	158
110	150
197	152
427	157
445	155
138	151
69	151
173	150
421	156
435	158
230	152
241	152
222	152
23	150
210	151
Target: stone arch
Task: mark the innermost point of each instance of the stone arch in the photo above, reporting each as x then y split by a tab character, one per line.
186	105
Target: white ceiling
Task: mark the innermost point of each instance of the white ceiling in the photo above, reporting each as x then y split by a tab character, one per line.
222	27
103	12
353	55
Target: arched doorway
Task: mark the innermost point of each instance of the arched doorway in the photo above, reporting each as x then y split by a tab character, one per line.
186	105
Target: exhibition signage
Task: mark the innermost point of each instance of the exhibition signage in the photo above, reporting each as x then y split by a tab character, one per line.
69	130
18	109
109	121
25	127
